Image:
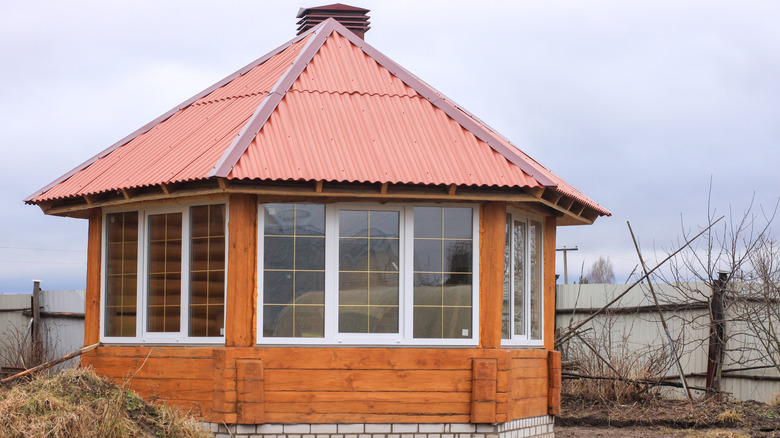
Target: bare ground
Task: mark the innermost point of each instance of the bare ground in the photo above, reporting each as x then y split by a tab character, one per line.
667	418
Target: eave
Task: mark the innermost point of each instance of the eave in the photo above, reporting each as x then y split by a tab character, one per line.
568	210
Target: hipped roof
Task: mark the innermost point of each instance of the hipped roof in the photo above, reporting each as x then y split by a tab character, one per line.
325	107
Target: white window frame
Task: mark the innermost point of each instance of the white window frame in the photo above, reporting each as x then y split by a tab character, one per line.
142	335
515	340
405	335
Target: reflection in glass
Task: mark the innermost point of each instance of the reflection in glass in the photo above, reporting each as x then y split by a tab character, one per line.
207	270
164	276
294	270
121	273
535	251
368	271
443	263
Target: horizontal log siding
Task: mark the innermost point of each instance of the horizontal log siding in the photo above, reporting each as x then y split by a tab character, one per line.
528	385
327	385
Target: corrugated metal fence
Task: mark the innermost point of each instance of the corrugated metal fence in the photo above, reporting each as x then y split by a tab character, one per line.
62	318
633	322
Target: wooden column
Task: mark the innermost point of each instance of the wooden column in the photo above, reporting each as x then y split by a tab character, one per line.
92	306
549	282
554	382
492	233
250	391
241	302
484	383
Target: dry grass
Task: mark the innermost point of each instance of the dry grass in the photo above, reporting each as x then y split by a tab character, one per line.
78	403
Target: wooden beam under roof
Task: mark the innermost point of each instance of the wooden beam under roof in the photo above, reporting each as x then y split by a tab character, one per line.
330	192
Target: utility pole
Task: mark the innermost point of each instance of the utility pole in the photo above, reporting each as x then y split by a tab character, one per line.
565	267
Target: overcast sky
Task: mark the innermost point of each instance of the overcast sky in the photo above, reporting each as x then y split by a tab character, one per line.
638	104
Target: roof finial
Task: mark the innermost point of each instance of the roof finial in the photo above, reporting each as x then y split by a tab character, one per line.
353	18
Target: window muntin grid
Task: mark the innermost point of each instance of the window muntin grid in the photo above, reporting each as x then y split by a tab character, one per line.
163	304
522	318
368	271
207	270
161	256
405	333
121	274
443	257
294	270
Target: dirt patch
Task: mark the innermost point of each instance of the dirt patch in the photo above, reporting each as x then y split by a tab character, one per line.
659	418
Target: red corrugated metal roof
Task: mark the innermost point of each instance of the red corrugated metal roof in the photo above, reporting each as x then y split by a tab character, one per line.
327	107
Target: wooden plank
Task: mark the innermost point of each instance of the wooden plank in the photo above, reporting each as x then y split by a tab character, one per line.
535	363
526	388
241	271
549	282
492	229
369	380
528	407
162	368
156	351
398	407
179	389
298	417
250	391
92	295
360	396
370	358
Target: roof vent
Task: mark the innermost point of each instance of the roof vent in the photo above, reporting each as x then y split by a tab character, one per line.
353	18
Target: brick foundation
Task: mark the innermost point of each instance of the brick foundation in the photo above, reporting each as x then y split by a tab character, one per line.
527	427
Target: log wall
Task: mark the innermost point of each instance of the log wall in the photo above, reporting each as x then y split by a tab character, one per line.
249	385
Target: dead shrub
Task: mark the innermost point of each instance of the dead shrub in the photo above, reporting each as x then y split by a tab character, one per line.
78	403
618	367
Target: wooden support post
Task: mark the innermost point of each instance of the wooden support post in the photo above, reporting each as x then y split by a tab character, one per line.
492	234
241	302
554	382
224	381
92	305
483	390
717	334
250	405
548	277
37	327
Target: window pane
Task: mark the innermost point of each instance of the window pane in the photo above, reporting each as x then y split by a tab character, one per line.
279	219
519	242
427	322
121	274
457	223
310	253
506	309
535	250
427	255
294	270
443	289
427	222
207	270
458	255
164	277
368	271
279	252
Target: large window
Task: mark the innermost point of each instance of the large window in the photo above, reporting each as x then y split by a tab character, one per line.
170	264
367	274
522	309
